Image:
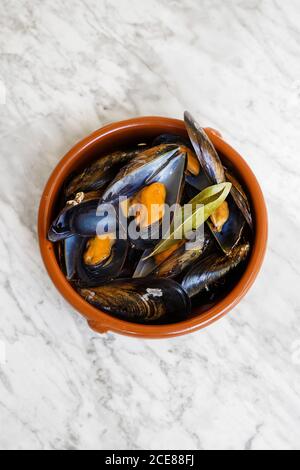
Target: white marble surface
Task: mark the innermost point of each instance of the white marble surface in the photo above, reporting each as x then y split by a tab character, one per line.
69	69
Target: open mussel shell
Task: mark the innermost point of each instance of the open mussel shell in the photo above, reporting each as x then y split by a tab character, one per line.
101	172
139	172
205	151
172	177
86	220
193	186
147	301
93	218
146	265
199	183
212	165
240	198
173	266
93	275
177	263
232	230
213	268
131	262
193	164
60	228
184	257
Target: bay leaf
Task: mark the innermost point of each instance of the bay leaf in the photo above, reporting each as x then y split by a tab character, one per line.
193	215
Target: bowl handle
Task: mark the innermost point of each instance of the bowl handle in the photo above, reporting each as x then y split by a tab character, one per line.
214	131
98	327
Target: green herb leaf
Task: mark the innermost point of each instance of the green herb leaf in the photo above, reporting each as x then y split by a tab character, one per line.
200	209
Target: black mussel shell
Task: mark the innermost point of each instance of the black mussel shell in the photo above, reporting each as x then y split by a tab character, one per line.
147	301
132	260
146	264
85	220
101	172
172	176
232	230
171	139
194	185
177	262
212	165
72	248
212	269
240	198
110	269
234	181
197	183
146	238
139	172
59	251
93	218
205	151
60	228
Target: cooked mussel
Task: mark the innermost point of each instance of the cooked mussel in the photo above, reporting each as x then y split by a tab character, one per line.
211	162
93	261
139	172
227	225
99	173
152	182
60	228
100	259
214	267
148	205
175	264
148	301
93	218
205	151
85	219
193	165
172	262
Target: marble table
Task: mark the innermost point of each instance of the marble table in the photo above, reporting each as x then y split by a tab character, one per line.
65	70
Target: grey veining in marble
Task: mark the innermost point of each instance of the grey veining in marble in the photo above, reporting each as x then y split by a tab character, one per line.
67	68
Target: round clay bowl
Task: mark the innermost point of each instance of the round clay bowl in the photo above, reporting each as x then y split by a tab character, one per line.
113	137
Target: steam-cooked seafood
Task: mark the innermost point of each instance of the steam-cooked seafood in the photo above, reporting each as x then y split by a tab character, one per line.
211	269
98	174
141	301
143	233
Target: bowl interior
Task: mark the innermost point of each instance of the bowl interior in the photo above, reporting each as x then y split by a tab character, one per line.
127	135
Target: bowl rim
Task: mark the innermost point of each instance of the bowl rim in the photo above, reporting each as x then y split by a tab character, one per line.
101	321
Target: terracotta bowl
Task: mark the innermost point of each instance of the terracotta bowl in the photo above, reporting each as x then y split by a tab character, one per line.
113	137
